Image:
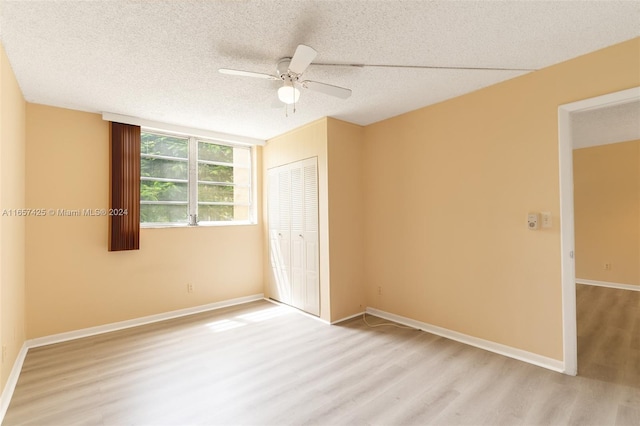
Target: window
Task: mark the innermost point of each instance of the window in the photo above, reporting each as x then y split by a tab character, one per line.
189	180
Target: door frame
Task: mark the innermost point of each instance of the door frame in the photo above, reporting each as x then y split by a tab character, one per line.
567	230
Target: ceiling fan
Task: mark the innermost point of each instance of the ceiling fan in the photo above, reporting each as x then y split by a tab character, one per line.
289	71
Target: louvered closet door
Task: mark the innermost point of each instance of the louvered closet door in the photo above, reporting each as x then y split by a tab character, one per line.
284	235
311	259
274	224
297	237
279	206
293	234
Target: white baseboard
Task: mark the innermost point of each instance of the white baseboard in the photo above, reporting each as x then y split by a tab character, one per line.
284	305
12	381
511	352
359	314
296	310
608	284
106	328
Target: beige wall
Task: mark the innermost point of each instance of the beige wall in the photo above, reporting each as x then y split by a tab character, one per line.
447	191
607	212
346	211
12	229
73	282
305	142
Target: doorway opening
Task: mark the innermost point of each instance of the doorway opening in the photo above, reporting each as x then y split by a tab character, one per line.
567	229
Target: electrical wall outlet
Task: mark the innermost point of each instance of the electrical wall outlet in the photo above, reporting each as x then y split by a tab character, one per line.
607	266
189	288
379	291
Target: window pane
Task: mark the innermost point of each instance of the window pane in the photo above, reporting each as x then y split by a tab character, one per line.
213	173
223	194
241	213
242	195
166	213
212	152
242	157
168	169
170	146
215	213
215	193
163	191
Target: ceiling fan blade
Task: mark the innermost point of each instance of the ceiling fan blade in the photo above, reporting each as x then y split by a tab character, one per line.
426	67
302	58
248	74
327	89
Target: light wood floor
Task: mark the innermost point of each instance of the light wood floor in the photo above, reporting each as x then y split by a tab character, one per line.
263	364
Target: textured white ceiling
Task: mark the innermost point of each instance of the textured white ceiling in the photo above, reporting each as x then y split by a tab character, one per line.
158	60
602	126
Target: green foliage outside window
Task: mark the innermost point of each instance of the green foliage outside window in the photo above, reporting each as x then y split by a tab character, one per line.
175	168
163	213
165	158
212	152
215	173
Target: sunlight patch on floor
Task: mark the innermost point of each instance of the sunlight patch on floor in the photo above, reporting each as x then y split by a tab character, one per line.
248	318
224	325
264	314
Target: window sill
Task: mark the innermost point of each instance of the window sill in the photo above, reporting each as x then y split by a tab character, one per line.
199	225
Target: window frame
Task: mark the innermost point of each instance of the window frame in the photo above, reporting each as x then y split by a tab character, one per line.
192	182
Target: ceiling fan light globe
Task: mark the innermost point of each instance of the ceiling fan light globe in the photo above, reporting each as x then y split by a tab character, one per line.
288	94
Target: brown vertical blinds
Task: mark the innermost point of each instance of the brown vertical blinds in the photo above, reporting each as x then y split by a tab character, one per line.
124	213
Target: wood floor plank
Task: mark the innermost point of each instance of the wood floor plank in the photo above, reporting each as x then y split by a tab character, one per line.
264	364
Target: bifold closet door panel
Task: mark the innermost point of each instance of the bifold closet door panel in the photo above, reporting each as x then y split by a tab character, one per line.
311	259
297	237
293	234
278	206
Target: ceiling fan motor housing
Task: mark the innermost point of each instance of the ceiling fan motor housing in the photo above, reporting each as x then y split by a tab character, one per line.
283	72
